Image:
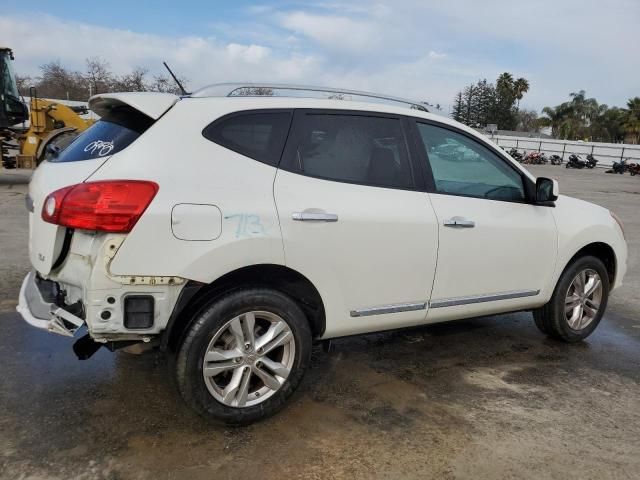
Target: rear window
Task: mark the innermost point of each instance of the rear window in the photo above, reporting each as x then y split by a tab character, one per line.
112	133
257	135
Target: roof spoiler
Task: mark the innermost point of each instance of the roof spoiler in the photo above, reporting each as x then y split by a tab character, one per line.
152	104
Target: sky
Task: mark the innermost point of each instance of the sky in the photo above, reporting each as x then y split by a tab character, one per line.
421	49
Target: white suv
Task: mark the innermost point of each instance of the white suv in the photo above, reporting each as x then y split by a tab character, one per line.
236	229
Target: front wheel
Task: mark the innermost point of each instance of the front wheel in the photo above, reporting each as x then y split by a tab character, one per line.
244	356
578	302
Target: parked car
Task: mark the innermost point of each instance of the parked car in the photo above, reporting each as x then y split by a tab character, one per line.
235	231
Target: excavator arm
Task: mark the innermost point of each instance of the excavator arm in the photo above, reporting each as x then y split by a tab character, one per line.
49	120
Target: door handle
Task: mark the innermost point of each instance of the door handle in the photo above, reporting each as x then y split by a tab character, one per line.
459	222
314	217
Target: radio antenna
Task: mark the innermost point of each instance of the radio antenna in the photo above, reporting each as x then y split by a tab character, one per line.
184	92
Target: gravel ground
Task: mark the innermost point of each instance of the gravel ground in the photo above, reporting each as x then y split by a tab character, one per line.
482	398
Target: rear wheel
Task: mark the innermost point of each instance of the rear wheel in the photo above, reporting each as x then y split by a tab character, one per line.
244	356
578	302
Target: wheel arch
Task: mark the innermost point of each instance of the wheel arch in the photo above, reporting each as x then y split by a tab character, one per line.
602	251
195	295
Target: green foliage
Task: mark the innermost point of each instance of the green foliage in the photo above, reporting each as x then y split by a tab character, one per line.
527	121
483	103
631	121
583	118
457	108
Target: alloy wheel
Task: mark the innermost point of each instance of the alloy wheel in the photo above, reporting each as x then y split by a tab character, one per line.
583	299
249	358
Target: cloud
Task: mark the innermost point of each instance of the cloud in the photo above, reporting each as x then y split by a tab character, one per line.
436	55
203	60
331	31
411	48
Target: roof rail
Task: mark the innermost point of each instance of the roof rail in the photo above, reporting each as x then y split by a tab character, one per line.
285	90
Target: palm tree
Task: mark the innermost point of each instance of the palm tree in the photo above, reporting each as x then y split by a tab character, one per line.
520	86
631	123
560	119
505	78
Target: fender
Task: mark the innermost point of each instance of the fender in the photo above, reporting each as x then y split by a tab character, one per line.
581	224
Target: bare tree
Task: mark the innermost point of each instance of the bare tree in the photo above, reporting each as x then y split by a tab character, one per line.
58	82
24	82
162	83
133	82
98	75
527	120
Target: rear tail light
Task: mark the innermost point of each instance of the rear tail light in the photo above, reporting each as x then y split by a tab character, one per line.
108	206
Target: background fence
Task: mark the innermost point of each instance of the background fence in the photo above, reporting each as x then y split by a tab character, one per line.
605	153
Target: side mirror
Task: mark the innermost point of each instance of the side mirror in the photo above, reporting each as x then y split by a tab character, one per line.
546	190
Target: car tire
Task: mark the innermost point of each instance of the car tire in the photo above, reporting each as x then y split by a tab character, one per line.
249	385
578	301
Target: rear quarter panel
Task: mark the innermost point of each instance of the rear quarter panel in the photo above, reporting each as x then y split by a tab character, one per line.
191	169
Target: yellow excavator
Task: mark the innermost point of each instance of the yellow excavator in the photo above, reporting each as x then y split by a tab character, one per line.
51	123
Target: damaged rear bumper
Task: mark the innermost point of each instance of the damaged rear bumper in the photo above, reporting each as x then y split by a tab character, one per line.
38	307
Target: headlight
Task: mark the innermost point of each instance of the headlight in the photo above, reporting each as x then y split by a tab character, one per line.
617	219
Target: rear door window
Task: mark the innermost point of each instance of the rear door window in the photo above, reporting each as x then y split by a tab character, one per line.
354	148
109	135
260	135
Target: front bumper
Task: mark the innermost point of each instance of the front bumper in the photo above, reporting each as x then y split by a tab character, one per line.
39	309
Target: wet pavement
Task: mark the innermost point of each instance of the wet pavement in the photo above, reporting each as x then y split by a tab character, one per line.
481	398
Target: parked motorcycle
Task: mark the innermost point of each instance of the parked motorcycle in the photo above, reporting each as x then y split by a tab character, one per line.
516	155
591	161
619	167
634	169
555	159
535	158
576	162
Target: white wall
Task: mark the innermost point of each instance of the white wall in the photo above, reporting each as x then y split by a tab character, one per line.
605	153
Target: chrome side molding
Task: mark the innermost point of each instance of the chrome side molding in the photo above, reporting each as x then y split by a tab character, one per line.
397	308
451	302
446	302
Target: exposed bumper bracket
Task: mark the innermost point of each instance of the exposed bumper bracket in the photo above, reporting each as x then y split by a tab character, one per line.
39	313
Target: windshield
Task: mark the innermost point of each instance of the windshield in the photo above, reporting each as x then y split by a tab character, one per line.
7	77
